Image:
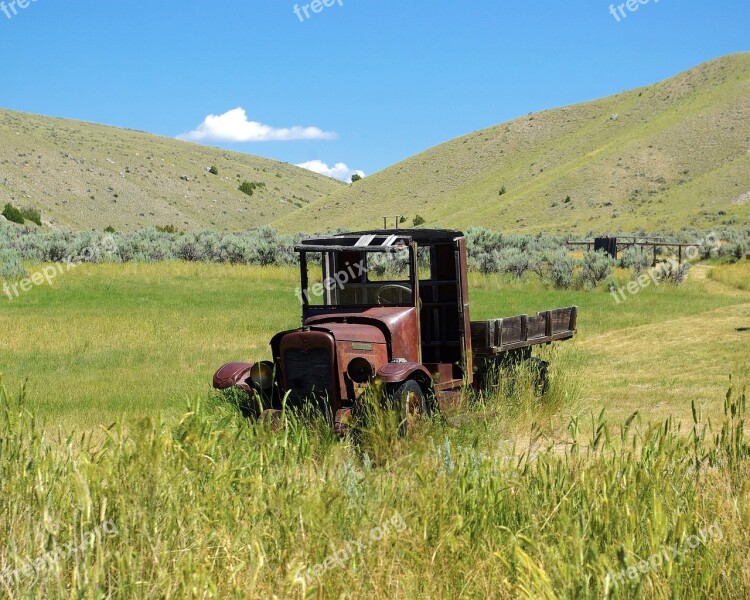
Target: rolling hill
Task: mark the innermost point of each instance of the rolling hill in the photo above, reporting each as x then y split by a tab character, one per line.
83	176
664	157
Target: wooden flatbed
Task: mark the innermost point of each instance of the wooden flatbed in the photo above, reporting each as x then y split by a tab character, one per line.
496	336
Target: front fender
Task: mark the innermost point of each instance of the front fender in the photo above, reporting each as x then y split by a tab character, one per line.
233	374
399	372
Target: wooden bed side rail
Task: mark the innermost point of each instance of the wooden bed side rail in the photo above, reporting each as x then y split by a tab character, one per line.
514	332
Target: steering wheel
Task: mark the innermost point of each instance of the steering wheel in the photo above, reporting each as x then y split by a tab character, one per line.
391	286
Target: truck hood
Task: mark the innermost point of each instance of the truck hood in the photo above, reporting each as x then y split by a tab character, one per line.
399	326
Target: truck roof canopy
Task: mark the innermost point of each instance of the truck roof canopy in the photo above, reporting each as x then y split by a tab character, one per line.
378	239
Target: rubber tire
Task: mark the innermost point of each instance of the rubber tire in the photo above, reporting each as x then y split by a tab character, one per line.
541	367
409	388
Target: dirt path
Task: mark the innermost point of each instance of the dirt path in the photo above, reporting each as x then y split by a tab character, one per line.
700	273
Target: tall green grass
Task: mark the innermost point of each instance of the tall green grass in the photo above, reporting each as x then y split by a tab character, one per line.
217	506
736	275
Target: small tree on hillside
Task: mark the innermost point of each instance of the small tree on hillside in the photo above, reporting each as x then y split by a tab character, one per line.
32	214
13	215
247	187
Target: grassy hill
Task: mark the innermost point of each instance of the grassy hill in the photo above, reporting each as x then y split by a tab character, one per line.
671	155
85	176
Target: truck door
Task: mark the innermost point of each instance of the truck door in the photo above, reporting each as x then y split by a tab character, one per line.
464	318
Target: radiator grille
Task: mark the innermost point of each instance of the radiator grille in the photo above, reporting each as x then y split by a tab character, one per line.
308	374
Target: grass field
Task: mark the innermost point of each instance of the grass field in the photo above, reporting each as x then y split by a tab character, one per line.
135	339
198	503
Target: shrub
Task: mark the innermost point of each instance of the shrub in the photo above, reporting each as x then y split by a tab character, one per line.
32	214
264	253
671	272
515	261
13	215
10	266
418	220
597	266
488	251
740	250
562	270
145	245
356	177
709	251
189	250
214	171
734	251
486	262
502	191
480	241
247	187
636	258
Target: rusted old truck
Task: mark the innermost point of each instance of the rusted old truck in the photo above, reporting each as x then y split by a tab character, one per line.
388	306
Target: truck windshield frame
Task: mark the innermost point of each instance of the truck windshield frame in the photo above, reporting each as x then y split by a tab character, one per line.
349	279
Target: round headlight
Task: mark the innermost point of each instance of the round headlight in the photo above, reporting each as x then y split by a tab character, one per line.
360	370
262	375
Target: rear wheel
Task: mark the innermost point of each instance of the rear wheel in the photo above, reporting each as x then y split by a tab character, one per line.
490	371
540	369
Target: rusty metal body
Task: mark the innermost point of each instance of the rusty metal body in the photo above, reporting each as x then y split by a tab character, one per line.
391	306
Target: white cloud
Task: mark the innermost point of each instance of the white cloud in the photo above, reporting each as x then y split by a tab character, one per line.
233	126
338	171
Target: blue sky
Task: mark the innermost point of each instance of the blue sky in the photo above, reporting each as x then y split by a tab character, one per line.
373	81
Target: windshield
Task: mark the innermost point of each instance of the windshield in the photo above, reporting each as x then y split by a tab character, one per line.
357	279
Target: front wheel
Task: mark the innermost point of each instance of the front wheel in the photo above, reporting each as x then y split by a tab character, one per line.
410	403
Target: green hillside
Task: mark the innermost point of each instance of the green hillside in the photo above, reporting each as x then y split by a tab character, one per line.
84	176
671	155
